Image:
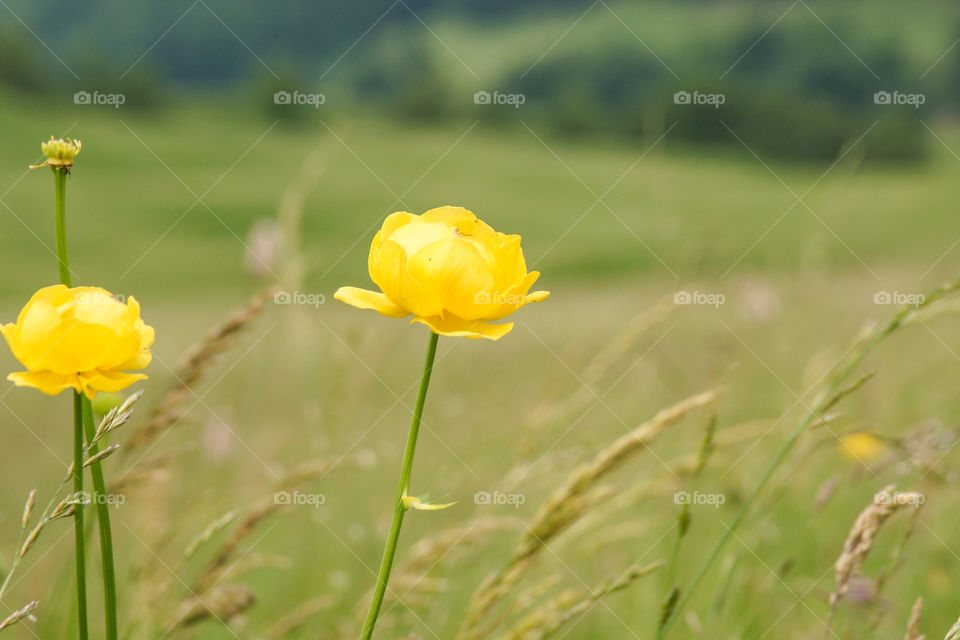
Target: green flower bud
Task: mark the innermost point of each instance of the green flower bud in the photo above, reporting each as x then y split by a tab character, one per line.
59	153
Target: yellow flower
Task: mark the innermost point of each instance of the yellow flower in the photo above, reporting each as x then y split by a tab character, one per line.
861	446
59	153
448	269
81	338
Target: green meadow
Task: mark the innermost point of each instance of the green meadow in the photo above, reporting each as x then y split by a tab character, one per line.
787	257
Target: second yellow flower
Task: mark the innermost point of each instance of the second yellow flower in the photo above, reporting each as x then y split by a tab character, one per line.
448	269
81	338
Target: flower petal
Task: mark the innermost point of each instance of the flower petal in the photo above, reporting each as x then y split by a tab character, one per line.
109	381
11	333
139	361
456	271
47	381
388	269
396	220
365	299
509	266
517	297
455	327
450	216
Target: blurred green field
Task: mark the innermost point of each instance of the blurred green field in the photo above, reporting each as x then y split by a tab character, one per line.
799	281
138	226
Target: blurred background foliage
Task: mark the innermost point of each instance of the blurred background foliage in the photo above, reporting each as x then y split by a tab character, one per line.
802	90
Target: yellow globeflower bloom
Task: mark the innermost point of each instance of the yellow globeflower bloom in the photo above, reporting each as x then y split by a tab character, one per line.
861	446
448	269
81	338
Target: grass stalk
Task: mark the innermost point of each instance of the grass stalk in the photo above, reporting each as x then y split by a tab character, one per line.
103	526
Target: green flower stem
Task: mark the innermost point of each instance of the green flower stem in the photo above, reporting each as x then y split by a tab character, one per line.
833	392
60	184
103	525
400	508
63	265
78	534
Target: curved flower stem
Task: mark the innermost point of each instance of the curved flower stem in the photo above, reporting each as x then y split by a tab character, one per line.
63	265
400	508
832	393
78	515
103	525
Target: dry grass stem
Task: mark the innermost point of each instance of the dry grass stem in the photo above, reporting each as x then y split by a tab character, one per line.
28	509
913	624
211	530
299	616
954	633
106	453
222	603
256	514
193	367
115	418
18	615
568	504
620	345
861	539
560	611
